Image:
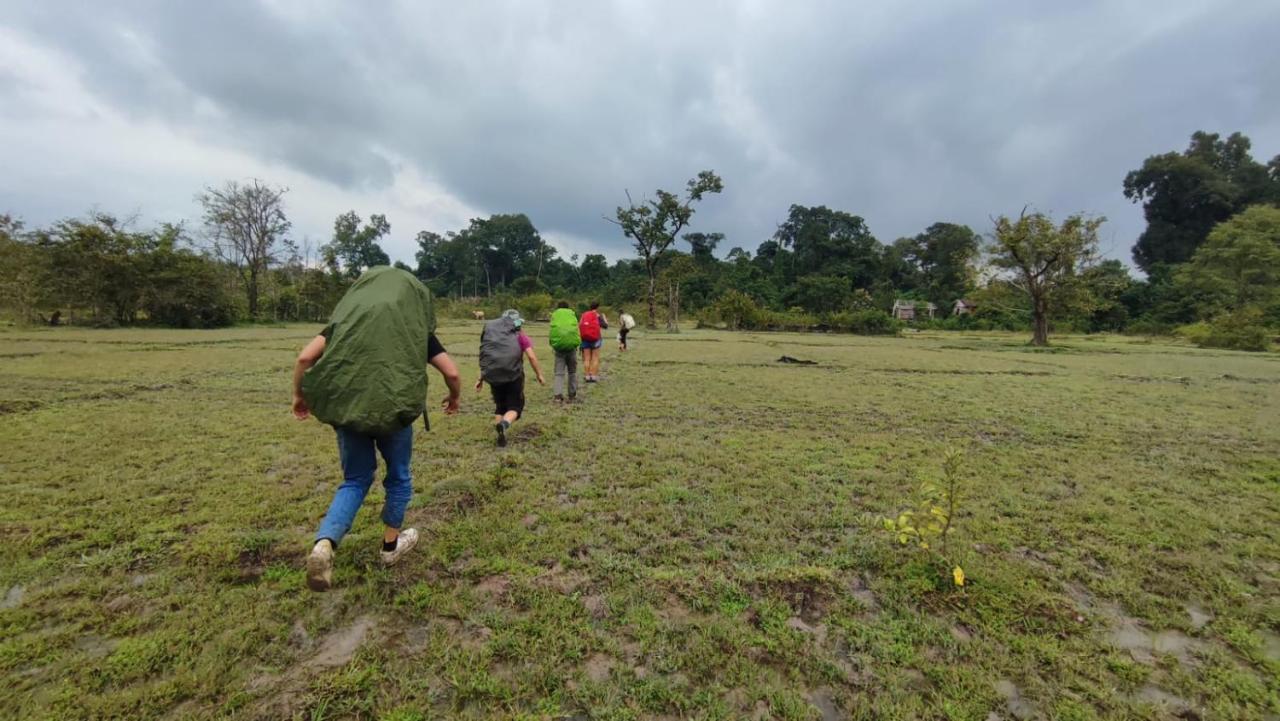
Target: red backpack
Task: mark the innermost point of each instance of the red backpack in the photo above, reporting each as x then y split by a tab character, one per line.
589	326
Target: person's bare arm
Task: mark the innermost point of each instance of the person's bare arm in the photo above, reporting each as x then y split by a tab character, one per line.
307	358
533	361
443	363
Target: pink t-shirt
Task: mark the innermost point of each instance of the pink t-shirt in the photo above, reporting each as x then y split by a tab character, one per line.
525	343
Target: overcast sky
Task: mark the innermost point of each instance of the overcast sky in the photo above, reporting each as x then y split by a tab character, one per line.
434	112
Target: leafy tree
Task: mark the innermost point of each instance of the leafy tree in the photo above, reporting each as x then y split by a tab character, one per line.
99	264
1107	285
702	246
184	289
828	242
509	246
823	293
1239	265
1045	260
944	256
245	222
653	225
354	248
1184	195
24	271
594	272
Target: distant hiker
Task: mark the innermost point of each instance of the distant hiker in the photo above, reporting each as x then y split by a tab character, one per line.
503	348
625	323
589	327
365	375
565	341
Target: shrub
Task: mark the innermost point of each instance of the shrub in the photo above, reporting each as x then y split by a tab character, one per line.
534	307
1149	326
737	310
794	319
1239	330
865	322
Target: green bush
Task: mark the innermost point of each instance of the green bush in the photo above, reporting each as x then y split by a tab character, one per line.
1149	326
865	322
793	319
1239	330
737	310
534	307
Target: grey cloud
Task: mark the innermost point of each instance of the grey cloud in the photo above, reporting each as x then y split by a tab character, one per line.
905	115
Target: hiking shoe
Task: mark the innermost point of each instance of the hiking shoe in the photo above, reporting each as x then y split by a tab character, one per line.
404	543
559	398
320	566
501	428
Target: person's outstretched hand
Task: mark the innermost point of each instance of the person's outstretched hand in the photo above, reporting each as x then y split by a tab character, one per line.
300	409
450	405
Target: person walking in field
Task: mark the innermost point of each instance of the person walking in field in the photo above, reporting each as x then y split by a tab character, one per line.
589	328
503	348
625	324
365	375
565	342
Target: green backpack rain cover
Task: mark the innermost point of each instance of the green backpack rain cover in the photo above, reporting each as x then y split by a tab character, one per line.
372	377
564	330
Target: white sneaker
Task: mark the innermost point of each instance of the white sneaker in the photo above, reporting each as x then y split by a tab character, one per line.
407	540
320	566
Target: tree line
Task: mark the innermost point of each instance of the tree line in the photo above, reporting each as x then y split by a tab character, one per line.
1210	253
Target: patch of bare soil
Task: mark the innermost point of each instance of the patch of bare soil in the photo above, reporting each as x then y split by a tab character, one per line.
823	700
339	647
1018	706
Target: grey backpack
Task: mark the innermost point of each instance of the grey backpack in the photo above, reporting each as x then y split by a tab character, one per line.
500	358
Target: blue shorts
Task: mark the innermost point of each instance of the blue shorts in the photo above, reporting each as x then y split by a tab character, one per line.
592	344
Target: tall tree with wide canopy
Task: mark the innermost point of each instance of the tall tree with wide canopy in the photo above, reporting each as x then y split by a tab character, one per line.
1184	195
1045	259
944	254
1239	265
653	225
829	242
245	221
356	248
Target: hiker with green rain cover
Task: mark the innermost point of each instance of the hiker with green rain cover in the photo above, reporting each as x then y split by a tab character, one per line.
365	375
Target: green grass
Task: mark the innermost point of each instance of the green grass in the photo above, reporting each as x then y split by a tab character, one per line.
700	538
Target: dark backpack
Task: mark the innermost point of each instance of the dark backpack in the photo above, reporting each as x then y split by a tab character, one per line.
501	360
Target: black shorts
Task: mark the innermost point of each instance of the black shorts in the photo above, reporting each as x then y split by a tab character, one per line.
622	335
508	397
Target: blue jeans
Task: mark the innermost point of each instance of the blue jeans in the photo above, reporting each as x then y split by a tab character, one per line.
359	462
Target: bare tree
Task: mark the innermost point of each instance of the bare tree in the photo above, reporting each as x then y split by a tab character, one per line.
245	221
653	225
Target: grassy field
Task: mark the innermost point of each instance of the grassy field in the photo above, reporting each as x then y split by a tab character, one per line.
700	538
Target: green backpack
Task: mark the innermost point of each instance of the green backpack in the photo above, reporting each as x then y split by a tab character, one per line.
372	377
564	330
